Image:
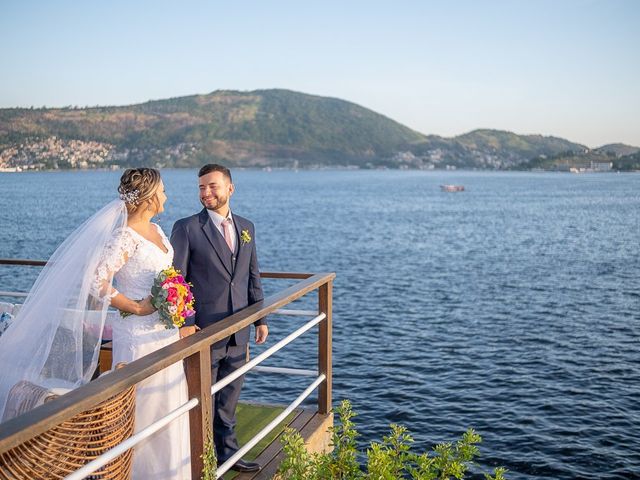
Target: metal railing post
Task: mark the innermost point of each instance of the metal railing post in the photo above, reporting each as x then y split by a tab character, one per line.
198	371
325	305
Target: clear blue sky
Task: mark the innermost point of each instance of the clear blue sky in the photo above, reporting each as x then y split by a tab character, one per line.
569	68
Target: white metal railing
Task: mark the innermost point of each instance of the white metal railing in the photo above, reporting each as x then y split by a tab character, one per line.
132	441
222	469
12	294
299	313
280	311
266	354
286	371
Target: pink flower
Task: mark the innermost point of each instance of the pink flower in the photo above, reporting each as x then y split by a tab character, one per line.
172	295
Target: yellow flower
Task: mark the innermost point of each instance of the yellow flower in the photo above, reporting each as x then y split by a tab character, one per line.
170	272
245	237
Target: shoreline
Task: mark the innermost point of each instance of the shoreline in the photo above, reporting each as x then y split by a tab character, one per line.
15	170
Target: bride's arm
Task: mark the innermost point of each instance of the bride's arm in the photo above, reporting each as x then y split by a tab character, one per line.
115	255
103	289
125	304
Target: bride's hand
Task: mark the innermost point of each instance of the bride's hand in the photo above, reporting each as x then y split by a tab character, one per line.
145	307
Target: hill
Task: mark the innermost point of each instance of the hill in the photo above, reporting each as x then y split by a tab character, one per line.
511	149
617	149
254	129
240	128
589	160
628	162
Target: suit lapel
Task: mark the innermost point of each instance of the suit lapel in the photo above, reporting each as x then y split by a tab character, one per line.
216	240
242	250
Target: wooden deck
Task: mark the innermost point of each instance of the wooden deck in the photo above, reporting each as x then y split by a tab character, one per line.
268	453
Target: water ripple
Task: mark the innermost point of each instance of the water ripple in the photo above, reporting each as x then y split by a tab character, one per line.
513	308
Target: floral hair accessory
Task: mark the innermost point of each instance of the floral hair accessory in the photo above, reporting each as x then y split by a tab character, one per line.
130	197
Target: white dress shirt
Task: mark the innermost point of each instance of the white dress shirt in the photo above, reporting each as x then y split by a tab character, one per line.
217	220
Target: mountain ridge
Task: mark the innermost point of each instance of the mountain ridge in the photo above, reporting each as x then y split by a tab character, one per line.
253	129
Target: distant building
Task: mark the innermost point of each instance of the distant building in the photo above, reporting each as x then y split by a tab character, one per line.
601	166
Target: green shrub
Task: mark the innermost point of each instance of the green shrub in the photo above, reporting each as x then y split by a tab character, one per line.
209	460
391	459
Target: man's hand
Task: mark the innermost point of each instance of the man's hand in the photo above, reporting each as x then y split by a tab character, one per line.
262	332
188	330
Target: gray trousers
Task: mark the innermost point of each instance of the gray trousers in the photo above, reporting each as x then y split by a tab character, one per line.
224	361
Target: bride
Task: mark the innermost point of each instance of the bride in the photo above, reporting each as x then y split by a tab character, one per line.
110	260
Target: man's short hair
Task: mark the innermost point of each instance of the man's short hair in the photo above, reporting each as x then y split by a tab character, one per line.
214	167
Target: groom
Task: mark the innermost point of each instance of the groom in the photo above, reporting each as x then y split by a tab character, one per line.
216	252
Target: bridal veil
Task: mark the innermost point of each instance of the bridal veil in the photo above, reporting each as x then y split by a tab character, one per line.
54	341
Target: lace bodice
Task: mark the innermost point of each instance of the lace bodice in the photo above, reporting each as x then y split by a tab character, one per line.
132	262
144	261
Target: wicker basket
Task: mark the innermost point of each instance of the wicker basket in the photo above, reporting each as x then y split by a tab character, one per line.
67	447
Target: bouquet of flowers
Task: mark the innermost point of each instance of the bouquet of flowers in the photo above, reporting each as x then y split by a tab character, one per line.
171	296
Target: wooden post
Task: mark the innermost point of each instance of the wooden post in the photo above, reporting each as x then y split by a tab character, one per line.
325	305
198	370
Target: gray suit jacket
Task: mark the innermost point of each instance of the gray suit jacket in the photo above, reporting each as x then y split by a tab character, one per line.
223	282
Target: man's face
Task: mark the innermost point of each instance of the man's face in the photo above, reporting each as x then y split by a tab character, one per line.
215	190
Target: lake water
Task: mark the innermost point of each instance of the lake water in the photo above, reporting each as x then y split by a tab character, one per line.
512	307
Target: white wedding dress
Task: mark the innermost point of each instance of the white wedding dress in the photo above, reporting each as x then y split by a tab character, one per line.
134	263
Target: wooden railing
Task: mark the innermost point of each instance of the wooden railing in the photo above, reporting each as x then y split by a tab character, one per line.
195	351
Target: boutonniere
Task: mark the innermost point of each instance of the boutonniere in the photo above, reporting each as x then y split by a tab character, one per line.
245	237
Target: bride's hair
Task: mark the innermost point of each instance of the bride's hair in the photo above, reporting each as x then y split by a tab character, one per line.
138	187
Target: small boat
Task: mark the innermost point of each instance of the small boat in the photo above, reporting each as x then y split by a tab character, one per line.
452	188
